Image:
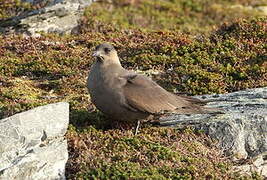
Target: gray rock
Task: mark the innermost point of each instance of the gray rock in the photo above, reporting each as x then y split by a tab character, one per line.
241	131
263	9
58	16
32	144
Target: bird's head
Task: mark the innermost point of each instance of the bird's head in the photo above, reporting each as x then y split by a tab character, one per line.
106	54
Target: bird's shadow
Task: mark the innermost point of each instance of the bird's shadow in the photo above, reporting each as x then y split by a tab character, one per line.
82	119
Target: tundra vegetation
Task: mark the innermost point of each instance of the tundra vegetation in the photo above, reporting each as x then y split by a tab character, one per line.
199	47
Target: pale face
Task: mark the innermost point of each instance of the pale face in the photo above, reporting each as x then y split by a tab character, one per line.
106	54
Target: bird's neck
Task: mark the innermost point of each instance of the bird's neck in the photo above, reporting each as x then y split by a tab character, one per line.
107	72
108	65
113	60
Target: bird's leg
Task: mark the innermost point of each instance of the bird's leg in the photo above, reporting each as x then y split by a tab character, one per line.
137	127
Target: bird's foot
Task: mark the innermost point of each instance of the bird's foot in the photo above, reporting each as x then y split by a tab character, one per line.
137	127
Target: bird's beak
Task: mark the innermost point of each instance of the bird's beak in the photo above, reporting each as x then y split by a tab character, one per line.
96	54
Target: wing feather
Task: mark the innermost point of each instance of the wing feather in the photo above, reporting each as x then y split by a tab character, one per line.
145	95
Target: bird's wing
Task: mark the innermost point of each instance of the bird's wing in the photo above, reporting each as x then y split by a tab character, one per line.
143	94
194	100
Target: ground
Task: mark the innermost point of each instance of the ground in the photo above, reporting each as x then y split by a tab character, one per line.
198	47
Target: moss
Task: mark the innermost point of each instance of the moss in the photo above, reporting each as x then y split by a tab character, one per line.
158	153
186	16
9	8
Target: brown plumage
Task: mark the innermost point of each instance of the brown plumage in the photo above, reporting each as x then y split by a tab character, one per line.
127	96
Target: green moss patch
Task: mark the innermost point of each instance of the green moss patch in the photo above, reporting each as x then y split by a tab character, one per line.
187	16
9	8
157	153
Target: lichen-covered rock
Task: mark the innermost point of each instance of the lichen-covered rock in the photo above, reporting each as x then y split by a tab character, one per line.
241	131
263	9
58	16
32	145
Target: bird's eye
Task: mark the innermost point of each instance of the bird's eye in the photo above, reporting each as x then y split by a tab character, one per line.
107	50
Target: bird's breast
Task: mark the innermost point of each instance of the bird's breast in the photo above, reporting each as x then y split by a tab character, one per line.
104	90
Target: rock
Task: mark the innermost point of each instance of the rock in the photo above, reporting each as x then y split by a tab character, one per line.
257	164
241	131
259	9
58	16
263	9
32	144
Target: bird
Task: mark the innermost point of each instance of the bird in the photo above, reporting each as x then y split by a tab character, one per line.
124	95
